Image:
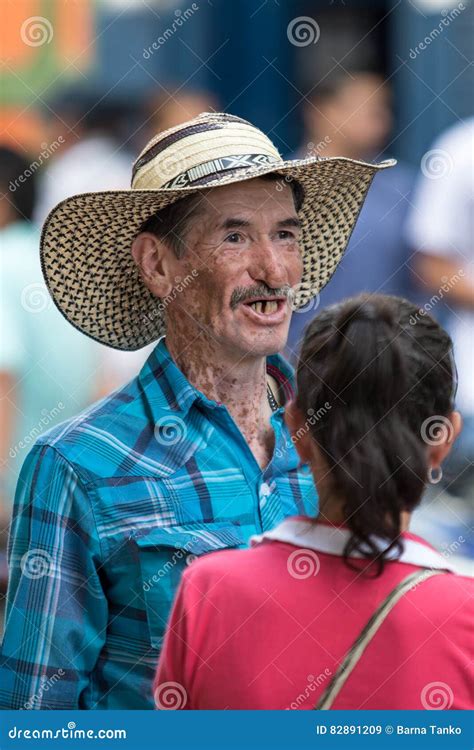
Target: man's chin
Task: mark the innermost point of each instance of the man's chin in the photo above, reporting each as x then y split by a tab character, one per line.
263	343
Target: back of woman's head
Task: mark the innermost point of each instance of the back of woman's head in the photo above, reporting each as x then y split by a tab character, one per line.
387	374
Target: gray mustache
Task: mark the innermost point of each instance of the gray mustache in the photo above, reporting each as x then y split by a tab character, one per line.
242	294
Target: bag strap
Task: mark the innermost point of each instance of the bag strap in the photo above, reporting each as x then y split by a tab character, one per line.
367	633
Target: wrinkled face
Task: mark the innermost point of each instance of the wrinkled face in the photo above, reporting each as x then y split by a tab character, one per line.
243	254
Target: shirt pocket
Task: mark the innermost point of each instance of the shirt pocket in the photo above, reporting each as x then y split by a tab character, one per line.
164	553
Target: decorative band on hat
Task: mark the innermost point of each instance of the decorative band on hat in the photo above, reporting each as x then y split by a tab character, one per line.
170	140
209	170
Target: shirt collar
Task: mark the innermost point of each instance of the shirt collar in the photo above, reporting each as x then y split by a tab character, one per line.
166	388
322	537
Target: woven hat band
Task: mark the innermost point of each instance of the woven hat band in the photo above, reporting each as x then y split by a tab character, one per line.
233	147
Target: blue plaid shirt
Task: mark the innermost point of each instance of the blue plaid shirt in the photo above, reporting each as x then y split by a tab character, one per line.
109	509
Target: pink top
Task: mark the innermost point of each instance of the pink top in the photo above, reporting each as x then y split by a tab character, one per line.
266	628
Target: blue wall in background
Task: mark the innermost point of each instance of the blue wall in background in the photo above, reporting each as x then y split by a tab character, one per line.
433	87
239	50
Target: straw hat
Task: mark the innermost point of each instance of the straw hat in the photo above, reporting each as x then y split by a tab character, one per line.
86	240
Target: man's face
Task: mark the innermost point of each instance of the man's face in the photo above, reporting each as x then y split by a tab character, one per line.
243	256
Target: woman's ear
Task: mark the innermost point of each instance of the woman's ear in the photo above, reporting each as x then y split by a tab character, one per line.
152	257
300	432
440	447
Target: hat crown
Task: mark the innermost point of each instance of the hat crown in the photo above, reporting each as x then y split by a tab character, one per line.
211	145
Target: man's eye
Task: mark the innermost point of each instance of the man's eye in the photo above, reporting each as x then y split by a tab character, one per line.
234	237
284	234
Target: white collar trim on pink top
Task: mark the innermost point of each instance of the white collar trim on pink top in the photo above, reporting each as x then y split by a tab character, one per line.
331	539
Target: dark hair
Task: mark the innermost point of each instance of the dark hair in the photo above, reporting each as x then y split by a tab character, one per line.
332	85
171	223
384	368
21	193
89	112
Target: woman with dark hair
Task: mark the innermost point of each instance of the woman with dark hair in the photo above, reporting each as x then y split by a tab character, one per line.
351	610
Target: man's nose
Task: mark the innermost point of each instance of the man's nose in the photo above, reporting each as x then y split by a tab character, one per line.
268	264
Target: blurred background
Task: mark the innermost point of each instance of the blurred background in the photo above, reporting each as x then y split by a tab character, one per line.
85	85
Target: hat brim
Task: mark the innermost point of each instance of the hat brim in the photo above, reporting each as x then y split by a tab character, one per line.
91	275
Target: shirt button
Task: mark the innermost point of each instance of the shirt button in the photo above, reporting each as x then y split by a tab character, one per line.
265	491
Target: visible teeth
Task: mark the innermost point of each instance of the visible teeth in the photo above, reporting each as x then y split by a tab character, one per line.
266	306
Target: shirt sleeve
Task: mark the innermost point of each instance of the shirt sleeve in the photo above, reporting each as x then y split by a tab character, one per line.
56	614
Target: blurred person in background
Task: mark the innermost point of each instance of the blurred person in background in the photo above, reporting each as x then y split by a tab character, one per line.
350	114
94	157
249	626
48	370
166	109
441	228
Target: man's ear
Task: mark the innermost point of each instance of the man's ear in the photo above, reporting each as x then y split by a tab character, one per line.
154	262
300	432
449	431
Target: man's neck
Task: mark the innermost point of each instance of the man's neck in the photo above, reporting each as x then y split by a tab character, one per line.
239	383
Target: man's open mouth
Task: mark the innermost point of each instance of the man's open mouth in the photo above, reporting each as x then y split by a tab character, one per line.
265	306
266	311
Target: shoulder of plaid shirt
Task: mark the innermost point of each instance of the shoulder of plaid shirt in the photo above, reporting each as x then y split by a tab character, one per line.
109	508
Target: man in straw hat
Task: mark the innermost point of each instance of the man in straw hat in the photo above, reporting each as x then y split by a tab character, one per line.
216	242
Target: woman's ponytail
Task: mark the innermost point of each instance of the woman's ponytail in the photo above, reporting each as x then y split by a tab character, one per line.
382	376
